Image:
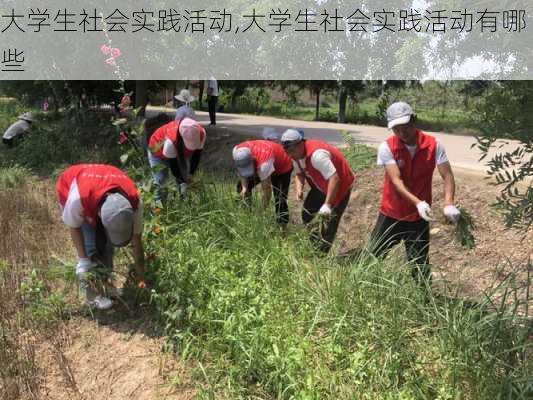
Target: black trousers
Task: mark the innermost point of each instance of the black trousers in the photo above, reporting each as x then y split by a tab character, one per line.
388	232
323	236
280	189
8	142
212	106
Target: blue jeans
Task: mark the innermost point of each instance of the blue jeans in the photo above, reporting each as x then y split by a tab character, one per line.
98	249
160	174
96	245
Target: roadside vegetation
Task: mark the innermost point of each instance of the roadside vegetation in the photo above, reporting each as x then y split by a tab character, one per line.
254	310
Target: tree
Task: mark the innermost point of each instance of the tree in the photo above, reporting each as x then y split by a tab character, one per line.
506	113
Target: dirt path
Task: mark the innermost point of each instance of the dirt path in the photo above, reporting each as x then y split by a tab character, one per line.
458	147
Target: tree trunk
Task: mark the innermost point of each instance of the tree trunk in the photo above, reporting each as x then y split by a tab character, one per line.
317	107
141	96
343	97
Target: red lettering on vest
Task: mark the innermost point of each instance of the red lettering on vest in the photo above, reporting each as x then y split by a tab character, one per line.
94	182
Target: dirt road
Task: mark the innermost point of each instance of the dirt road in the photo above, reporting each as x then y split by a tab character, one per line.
461	155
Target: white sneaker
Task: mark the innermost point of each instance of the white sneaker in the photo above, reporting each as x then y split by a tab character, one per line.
100	303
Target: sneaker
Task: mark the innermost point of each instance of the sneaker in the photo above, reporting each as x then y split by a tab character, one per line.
100	303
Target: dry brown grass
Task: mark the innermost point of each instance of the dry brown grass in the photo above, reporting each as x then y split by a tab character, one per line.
30	237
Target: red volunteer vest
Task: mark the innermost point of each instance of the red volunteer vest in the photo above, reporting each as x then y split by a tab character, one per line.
264	150
315	178
94	182
416	174
169	131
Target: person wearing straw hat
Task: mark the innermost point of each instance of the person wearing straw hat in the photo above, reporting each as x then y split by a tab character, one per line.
410	157
330	177
17	130
265	162
101	206
184	99
177	146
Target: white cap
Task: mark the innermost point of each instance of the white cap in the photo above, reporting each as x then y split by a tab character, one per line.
191	132
117	218
185	96
27	116
399	113
290	137
242	156
270	133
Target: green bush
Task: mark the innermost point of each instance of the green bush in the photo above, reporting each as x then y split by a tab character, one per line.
266	317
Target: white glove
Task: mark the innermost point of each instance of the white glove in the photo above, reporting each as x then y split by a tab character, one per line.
183	189
325	210
424	210
83	266
452	213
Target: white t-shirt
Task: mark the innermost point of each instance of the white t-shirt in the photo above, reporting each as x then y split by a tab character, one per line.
16	129
169	150
385	156
213	84
266	169
185	111
72	212
321	161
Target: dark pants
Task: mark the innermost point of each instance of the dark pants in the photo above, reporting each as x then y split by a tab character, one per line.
388	232
324	235
280	189
212	106
8	142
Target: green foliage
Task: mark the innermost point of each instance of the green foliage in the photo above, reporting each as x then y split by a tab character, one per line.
56	141
506	112
266	317
358	155
14	176
42	306
463	230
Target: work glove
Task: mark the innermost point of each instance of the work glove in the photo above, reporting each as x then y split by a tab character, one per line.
452	213
83	266
183	189
424	210
325	210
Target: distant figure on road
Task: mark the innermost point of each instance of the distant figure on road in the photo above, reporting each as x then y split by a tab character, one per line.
18	129
265	162
184	99
410	157
177	146
101	206
330	177
212	100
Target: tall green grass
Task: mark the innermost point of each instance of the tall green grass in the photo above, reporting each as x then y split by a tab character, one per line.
264	316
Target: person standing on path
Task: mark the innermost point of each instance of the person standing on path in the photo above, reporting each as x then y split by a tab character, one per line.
212	100
265	162
101	206
184	99
410	157
330	177
177	146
